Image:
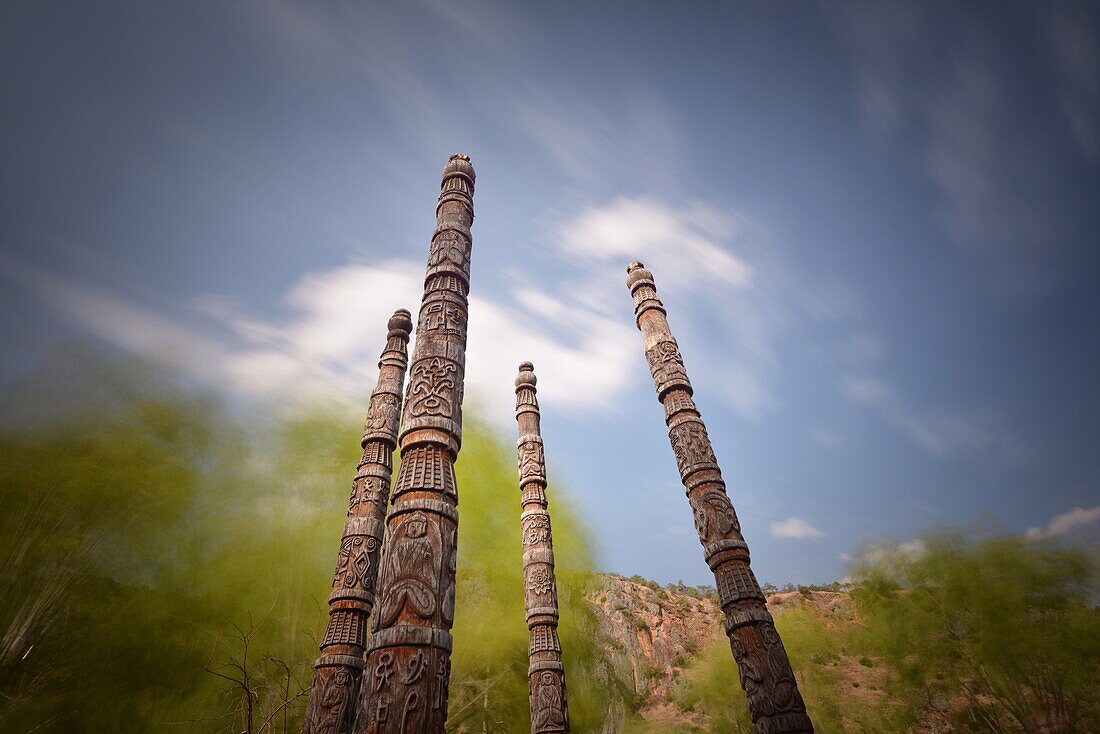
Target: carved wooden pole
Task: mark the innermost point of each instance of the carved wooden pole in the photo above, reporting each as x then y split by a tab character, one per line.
335	688
775	704
408	664
546	675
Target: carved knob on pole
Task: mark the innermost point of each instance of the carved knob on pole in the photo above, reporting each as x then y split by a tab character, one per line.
400	323
459	164
526	375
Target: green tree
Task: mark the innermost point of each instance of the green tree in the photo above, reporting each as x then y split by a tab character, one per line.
166	559
995	632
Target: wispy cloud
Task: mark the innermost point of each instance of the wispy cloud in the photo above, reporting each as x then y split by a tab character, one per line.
1067	522
709	264
996	155
795	527
1077	56
325	337
117	320
939	433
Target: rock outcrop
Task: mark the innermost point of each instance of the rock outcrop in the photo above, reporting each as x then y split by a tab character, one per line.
654	631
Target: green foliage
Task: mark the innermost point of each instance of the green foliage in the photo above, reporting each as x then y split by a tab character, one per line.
165	559
999	626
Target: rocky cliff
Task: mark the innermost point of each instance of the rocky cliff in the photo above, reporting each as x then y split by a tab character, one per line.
656	632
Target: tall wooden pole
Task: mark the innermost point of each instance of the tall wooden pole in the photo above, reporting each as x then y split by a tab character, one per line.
336	678
408	664
546	674
775	705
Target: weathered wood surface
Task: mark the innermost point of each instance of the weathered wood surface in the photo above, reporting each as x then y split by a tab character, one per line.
545	674
408	662
774	703
337	675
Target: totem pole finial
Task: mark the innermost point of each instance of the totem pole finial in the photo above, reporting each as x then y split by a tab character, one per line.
775	705
337	677
401	322
545	674
409	654
526	375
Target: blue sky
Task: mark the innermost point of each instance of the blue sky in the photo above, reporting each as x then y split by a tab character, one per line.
874	226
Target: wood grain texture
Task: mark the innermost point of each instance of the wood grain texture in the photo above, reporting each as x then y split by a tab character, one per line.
771	690
338	672
545	673
408	660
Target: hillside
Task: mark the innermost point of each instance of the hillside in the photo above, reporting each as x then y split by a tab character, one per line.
658	633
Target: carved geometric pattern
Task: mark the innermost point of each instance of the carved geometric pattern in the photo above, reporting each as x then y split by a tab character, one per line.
426	467
367	489
347	627
544	638
353	567
666	365
526	399
714	515
736	581
533	493
377	452
540	580
692	447
448	283
443	316
677	401
536	529
449	246
433	388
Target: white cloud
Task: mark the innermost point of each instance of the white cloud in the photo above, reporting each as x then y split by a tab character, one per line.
845	557
682	244
722	290
326	339
795	527
1067	522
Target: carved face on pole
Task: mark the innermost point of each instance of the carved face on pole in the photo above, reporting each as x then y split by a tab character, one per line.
410	568
551	708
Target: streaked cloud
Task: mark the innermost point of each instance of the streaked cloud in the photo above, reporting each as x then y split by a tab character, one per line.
796	528
940	433
1067	522
953	105
324	338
